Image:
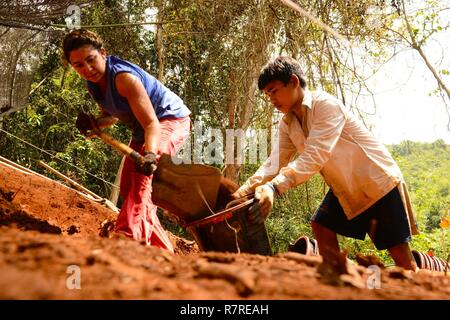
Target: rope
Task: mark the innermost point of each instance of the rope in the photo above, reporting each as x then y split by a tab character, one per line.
235	235
113	25
63	27
199	190
53	156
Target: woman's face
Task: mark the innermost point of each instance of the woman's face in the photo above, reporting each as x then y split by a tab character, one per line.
89	62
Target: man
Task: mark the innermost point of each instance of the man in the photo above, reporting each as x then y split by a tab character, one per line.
367	193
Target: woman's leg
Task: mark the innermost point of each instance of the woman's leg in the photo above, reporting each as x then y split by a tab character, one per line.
138	218
173	135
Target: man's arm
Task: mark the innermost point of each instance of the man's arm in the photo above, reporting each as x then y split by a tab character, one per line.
279	157
327	125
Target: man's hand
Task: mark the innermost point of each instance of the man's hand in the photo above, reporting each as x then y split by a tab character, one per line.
239	194
85	122
148	166
264	196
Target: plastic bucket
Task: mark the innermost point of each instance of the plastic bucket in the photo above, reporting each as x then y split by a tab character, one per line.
424	261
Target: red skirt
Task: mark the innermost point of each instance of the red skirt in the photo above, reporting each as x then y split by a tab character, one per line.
138	218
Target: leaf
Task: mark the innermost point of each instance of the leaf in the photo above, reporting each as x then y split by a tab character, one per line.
445	222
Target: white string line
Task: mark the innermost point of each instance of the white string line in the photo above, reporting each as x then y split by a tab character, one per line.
63	27
53	156
124	24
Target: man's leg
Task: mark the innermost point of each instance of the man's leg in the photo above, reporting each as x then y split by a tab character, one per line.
328	221
326	239
332	260
390	229
403	257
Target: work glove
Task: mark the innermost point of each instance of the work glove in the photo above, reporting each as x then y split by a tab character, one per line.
85	122
147	164
264	196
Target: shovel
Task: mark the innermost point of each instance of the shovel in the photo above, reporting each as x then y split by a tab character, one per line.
188	191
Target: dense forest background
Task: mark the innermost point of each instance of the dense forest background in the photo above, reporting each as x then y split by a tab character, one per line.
210	53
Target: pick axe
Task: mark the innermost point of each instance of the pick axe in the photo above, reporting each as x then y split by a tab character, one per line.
187	190
85	123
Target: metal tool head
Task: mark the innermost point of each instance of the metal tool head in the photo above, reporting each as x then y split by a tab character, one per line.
187	191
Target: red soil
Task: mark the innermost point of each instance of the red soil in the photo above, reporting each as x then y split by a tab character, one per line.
46	227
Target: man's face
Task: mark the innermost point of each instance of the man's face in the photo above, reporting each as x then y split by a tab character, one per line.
282	96
89	63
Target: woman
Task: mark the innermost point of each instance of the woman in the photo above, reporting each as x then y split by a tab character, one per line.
157	117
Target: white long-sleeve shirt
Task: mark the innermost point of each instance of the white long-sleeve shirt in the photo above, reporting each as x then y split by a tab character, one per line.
358	168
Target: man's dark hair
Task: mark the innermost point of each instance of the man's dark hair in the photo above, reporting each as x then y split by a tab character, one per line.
281	68
79	38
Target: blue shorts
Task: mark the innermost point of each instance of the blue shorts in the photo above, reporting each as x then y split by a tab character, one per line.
386	222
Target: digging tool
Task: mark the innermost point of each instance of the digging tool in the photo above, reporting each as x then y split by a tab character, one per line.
79	187
189	191
88	127
119	146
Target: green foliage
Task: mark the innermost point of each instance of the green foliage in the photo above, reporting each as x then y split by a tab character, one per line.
438	241
425	167
292	212
133	43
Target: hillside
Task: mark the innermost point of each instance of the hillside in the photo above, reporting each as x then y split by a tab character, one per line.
48	232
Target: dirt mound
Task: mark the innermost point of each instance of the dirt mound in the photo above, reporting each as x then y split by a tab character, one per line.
50	248
38	203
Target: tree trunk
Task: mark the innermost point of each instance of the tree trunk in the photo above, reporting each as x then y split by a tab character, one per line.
231	170
14	69
114	196
160	44
256	57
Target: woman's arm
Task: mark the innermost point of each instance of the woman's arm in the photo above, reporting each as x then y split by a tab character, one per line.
105	121
132	89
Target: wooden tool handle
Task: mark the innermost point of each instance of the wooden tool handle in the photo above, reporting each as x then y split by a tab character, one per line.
75	184
119	146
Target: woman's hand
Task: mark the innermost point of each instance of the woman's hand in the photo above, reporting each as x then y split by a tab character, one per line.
148	166
86	123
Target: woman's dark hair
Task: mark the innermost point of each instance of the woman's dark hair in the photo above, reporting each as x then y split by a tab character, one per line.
79	38
281	68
